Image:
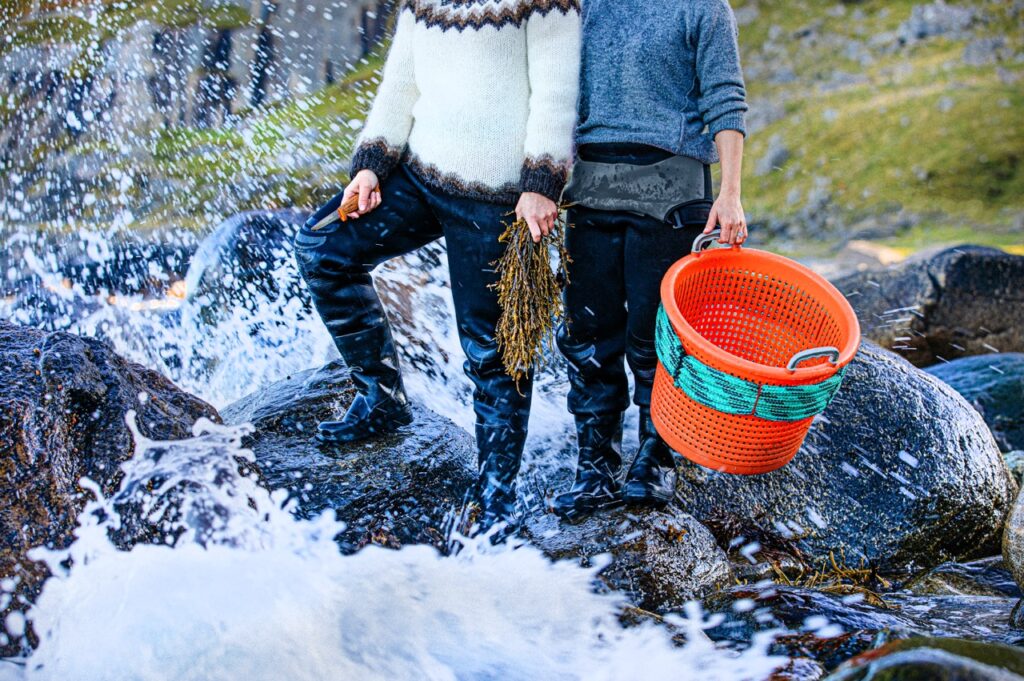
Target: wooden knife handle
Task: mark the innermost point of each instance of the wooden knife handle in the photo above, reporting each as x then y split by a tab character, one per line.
351	204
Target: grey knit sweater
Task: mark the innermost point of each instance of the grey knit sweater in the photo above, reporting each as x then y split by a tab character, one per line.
658	72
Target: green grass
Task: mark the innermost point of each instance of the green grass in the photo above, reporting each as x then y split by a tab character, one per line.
925	132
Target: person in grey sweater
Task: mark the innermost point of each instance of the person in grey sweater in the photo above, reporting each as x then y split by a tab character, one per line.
661	99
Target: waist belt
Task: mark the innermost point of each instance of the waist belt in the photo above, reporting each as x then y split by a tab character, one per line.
655	190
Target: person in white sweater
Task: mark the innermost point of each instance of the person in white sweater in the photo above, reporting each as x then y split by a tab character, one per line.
474	117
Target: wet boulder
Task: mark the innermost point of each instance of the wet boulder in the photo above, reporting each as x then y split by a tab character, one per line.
1015	462
410	487
660	560
404	488
967	300
994	385
64	400
936	659
1013	541
898	474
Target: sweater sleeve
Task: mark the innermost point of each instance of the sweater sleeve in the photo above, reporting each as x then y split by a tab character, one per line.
722	98
553	60
386	131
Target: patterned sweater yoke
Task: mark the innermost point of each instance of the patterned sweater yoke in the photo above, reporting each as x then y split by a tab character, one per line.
478	97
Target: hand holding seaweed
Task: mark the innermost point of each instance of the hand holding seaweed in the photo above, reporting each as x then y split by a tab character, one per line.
530	295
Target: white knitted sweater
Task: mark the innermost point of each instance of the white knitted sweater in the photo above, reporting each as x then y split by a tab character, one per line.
478	97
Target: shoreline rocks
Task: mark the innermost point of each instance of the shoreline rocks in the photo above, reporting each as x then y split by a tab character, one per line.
899	474
410	487
966	300
660	560
62	417
994	385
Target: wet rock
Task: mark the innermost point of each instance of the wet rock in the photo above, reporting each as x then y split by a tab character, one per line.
988	577
410	487
64	400
1013	541
799	669
936	659
833	622
894	438
1017	615
967	300
994	385
403	488
828	628
660	559
1015	462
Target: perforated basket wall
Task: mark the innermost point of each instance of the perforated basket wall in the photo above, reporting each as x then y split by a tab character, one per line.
740	315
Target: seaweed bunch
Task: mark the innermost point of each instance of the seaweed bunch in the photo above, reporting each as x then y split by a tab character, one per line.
530	295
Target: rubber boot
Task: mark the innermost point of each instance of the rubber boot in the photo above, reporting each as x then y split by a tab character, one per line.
499	455
380	405
651	480
597	468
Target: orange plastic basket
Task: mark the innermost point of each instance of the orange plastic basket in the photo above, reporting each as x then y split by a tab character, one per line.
775	325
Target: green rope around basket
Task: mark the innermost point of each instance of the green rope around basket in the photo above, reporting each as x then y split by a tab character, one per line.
726	393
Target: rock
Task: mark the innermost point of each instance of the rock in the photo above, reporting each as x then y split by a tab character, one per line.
1013	541
774	158
660	559
409	487
936	659
983	51
1015	462
936	19
894	438
64	400
835	619
987	578
404	488
1017	615
967	300
994	385
828	628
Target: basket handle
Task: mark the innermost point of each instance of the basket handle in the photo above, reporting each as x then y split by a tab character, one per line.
704	240
824	351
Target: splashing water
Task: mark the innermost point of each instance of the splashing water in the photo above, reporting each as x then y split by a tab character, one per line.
248	591
192	571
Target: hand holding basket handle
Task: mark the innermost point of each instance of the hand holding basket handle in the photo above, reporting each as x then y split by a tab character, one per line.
734	389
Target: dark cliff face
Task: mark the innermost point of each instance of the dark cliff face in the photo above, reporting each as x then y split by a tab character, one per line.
63	401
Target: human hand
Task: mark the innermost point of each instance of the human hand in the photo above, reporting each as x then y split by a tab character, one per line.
727	212
539	212
366	186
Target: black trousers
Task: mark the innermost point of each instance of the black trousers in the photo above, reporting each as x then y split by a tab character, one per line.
336	263
618	262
